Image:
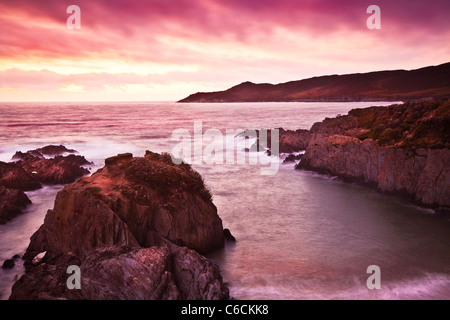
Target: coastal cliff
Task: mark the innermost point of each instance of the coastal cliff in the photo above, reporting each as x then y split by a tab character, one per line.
135	228
400	149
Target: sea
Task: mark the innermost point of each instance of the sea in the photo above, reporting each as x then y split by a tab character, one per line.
300	235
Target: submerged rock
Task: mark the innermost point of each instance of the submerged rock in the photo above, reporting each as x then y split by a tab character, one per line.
228	236
293	158
8	264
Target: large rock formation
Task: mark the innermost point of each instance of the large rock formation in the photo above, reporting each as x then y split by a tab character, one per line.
130	204
401	148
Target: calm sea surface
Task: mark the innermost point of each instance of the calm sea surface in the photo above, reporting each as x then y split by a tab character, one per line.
299	235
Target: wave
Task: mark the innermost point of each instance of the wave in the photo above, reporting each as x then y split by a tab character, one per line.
430	286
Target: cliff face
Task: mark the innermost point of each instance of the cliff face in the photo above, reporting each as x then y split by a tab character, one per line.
395	85
422	173
414	160
134	227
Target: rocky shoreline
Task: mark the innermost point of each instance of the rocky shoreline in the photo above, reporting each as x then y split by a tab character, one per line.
137	229
400	149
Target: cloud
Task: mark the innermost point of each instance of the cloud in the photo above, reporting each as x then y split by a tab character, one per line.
136	45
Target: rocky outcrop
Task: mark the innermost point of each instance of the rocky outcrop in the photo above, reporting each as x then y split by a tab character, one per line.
14	176
409	161
31	171
293	158
57	170
167	272
12	203
50	150
137	220
289	140
294	141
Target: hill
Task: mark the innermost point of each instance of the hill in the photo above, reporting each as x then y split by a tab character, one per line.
394	85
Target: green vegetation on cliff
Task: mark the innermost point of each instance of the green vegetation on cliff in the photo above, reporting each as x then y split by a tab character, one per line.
410	125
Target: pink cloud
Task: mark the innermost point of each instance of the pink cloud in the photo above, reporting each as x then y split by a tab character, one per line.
229	41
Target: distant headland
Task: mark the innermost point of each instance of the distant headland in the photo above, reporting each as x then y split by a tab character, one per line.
426	83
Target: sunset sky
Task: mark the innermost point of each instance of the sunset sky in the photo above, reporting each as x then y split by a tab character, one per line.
168	49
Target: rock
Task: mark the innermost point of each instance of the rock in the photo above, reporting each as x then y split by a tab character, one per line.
168	272
289	140
132	201
50	150
401	151
14	176
228	236
59	170
19	155
8	264
197	277
30	171
294	141
131	227
292	158
12	202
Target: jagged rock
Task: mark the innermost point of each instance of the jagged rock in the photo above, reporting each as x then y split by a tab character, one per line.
14	176
59	170
228	236
292	158
30	171
124	226
12	202
123	273
8	264
50	150
289	140
132	201
294	141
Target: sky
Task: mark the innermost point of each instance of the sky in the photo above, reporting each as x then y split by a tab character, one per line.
167	49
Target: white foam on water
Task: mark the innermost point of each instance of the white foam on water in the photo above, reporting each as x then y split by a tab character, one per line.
430	286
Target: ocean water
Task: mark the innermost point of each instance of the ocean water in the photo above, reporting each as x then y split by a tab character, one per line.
299	235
